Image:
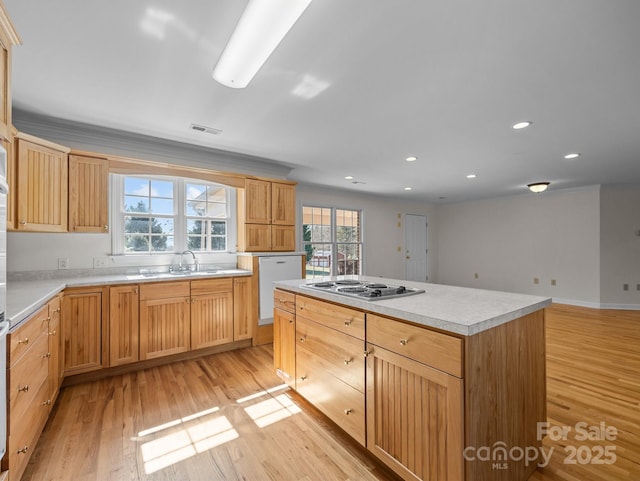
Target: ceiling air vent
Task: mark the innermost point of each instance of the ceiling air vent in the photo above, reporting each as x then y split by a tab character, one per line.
204	128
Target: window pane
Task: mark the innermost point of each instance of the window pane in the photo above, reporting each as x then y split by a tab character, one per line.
136	186
136	224
196	208
194	226
217	194
218	228
136	243
162	188
218	244
161	226
161	243
195	243
161	206
217	210
195	192
136	204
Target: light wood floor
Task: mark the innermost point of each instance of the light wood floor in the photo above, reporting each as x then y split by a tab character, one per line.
226	416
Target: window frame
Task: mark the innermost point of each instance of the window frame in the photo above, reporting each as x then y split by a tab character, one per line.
179	216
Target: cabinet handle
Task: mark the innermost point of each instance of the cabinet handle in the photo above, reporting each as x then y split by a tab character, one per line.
49	319
52	333
347	323
135	291
23	222
24	388
57	310
366	353
302	339
347	361
23	341
290	321
23	450
47	402
404	342
47	355
303	378
348	411
106	227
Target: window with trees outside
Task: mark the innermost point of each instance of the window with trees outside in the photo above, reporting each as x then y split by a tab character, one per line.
166	215
332	240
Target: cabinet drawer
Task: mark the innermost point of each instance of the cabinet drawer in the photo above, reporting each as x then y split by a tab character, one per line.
209	286
335	352
421	344
340	318
25	431
27	376
284	300
24	337
164	290
340	402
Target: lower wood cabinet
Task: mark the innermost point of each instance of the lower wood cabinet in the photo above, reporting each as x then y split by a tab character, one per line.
124	325
243	309
284	345
211	312
165	319
84	327
56	368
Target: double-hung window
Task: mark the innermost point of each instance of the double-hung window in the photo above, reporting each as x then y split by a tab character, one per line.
332	239
156	214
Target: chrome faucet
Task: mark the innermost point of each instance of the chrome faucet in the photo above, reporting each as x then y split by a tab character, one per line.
196	266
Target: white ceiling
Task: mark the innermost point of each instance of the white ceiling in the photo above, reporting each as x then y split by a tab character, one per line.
440	79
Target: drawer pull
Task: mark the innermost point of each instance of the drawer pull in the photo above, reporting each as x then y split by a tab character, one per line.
290	321
24	341
47	355
24	388
348	411
47	402
366	353
52	333
347	361
347	323
57	310
303	378
404	342
302	339
23	450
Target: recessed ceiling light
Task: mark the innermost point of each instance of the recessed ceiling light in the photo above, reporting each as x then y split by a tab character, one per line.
538	187
349	177
411	158
472	176
407	188
522	125
573	155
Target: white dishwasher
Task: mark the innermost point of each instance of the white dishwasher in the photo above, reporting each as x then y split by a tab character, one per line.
275	268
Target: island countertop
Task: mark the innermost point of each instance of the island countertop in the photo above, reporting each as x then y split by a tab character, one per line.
459	310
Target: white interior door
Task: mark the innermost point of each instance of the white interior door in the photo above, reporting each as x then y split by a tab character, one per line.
416	247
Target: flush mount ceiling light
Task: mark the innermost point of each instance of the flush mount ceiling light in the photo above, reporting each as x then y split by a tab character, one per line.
259	31
522	125
411	158
349	177
472	176
408	188
573	155
538	187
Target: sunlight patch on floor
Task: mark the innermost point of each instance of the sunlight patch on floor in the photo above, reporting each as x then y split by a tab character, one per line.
271	410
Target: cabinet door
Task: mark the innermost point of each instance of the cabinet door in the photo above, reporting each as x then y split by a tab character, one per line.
82	314
211	319
123	325
55	360
283	204
414	417
283	238
42	187
8	38
257	201
88	194
242	309
164	326
284	345
11	180
257	237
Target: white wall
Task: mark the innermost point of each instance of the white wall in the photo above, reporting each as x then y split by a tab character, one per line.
381	234
509	241
620	246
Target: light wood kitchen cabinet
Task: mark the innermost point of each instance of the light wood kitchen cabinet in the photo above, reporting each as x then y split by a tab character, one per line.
8	38
242	308
124	325
9	146
165	319
28	390
56	371
414	417
284	335
211	312
266	216
88	194
84	327
42	180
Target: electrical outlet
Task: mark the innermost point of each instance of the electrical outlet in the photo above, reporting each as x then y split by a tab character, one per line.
637	287
99	262
625	287
536	280
553	282
476	276
63	262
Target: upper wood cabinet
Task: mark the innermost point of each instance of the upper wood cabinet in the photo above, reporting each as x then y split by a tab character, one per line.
88	194
42	179
8	38
9	146
266	216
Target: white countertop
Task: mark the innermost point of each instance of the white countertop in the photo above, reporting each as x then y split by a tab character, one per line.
459	310
25	297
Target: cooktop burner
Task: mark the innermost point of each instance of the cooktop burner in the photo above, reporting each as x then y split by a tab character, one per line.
369	291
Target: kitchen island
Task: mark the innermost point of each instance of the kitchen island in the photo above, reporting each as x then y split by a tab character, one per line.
446	384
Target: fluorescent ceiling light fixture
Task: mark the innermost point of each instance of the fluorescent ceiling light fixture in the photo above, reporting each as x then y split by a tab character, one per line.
522	125
573	155
538	187
260	30
411	158
472	176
